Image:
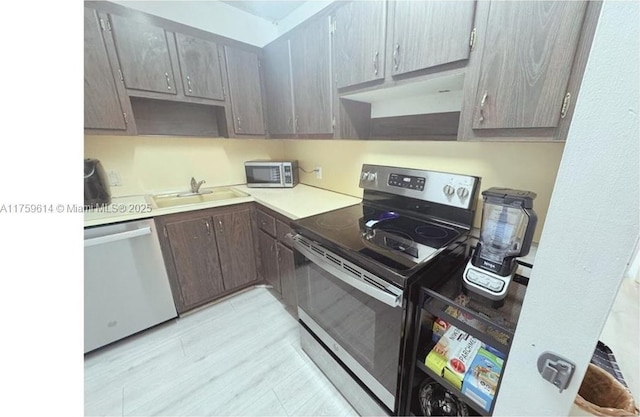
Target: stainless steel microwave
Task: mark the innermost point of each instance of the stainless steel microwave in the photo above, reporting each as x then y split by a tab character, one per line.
271	174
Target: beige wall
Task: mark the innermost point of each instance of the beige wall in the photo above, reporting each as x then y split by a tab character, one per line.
152	164
527	166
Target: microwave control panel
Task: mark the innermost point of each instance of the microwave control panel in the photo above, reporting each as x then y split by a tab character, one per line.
288	178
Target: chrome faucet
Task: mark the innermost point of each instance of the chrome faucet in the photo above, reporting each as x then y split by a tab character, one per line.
195	185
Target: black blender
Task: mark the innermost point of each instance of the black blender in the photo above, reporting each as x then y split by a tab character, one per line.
508	223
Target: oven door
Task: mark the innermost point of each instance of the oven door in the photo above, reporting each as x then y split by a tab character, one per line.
357	316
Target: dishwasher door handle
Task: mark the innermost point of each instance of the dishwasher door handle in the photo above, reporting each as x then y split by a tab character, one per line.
129	234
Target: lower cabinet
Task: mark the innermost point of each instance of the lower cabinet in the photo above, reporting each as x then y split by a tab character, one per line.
276	254
208	253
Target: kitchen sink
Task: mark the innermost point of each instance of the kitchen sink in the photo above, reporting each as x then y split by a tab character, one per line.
205	196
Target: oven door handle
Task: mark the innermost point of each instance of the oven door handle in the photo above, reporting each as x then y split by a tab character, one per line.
386	294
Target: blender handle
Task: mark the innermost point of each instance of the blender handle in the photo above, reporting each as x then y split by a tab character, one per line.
528	234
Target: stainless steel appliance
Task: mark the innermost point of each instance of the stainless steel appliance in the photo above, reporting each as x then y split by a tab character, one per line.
96	185
271	174
356	265
126	288
508	223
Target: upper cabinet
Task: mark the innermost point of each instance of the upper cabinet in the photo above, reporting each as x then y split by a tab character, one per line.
298	79
426	34
526	63
243	70
311	74
359	42
143	52
277	75
200	67
103	108
530	60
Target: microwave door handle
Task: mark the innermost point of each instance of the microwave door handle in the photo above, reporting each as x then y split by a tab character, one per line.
130	234
386	297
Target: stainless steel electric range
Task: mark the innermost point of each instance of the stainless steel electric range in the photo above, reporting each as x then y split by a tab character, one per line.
355	267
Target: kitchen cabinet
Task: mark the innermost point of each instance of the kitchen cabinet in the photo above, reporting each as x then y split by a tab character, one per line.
311	74
359	42
426	34
268	255
143	52
200	67
279	91
234	236
523	78
531	56
103	97
245	90
277	257
208	253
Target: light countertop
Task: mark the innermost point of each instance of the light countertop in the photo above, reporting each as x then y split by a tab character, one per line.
294	203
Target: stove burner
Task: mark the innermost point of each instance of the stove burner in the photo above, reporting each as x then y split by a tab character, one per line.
432	232
366	211
397	233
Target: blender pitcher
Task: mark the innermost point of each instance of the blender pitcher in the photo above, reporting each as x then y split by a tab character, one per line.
508	223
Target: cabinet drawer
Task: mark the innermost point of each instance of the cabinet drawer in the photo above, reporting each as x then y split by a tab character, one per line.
267	223
282	229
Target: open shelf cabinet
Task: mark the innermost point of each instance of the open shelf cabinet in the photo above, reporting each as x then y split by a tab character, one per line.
494	327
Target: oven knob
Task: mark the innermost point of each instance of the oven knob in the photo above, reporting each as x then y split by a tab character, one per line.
364	175
371	176
462	192
448	190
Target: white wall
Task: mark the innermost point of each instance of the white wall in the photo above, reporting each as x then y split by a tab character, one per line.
211	16
592	224
302	13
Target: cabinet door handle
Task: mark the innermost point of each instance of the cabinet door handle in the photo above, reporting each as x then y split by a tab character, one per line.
484	99
166	75
297	124
375	63
396	56
239	122
220	225
206	222
189	84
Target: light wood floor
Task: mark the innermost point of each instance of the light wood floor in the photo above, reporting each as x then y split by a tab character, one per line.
241	357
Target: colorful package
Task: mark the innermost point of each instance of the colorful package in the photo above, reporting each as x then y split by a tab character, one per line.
481	382
452	355
439	327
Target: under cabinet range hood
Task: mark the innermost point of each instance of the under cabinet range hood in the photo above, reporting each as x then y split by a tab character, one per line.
422	109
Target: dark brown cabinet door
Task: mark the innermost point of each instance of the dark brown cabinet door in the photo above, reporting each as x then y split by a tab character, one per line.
528	55
359	42
102	109
287	276
430	33
197	266
245	91
277	74
200	67
268	248
143	53
311	73
235	246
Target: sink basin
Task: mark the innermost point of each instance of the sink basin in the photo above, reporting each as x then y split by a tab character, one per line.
183	199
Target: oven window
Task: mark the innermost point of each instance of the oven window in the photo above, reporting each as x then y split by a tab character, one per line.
367	329
263	175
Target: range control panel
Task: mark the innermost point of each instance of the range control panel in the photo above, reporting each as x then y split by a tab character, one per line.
439	187
406	181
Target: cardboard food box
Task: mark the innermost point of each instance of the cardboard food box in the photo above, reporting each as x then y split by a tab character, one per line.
439	327
452	355
481	382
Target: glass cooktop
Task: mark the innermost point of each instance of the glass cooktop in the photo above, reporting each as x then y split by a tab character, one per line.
397	241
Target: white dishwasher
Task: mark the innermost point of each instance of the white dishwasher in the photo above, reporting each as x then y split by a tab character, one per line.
126	288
